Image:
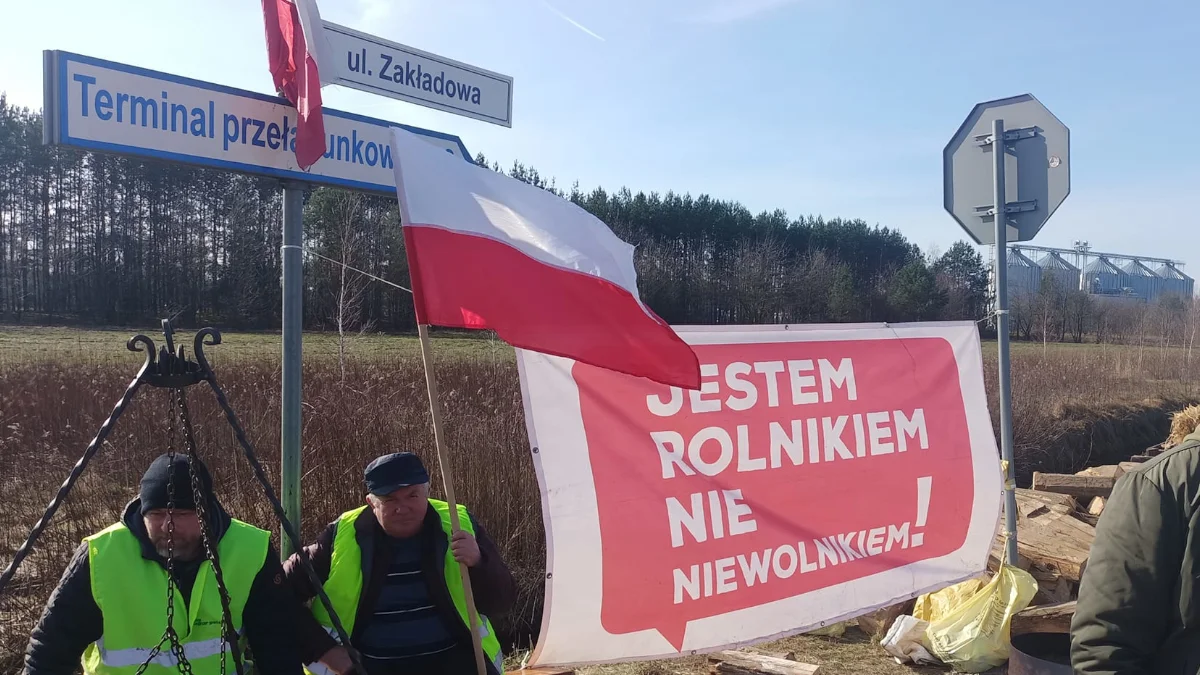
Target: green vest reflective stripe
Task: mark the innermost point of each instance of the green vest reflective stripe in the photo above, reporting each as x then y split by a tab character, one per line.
345	582
345	576
491	645
131	594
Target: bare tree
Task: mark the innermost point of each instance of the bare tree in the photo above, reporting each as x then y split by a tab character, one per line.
1144	317
1051	312
352	285
1023	308
755	280
1193	325
1080	311
1100	320
810	286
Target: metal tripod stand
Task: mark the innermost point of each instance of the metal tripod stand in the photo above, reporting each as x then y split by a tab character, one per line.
171	369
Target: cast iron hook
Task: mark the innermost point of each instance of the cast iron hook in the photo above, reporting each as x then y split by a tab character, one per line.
205	336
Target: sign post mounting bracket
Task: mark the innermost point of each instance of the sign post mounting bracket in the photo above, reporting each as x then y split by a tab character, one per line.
989	210
1010	136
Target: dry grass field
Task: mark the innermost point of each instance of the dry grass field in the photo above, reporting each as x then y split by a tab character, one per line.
1073	405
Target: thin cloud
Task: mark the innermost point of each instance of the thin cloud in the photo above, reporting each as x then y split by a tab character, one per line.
374	12
571	21
729	11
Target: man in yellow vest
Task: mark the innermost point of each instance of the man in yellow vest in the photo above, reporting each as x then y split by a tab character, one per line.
391	570
109	611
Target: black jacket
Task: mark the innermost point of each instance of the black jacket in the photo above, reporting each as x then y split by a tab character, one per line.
72	620
492	583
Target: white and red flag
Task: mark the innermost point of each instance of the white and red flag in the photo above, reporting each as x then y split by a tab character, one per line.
295	45
487	251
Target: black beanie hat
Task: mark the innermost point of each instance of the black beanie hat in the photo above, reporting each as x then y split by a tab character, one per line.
154	493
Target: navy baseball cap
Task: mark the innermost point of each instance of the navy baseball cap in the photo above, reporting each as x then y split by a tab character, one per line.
389	473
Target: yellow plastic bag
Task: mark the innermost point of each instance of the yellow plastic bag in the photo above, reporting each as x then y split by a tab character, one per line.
933	606
972	637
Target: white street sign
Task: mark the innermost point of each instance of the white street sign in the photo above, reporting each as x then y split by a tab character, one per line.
1037	168
101	105
372	64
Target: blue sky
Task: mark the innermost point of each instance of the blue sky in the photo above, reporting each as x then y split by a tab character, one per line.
832	107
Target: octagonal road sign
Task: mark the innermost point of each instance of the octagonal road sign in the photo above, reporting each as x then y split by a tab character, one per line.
1037	168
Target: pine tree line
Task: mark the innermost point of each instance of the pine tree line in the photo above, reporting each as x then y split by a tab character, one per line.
97	239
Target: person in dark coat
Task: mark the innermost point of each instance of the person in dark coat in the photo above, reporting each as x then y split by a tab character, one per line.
1139	600
391	570
72	627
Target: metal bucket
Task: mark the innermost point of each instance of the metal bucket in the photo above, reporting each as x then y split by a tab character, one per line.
1040	654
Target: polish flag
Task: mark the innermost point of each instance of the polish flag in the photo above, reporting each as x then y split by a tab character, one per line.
486	251
295	48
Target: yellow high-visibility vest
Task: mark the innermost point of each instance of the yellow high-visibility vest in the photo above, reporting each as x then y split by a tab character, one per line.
131	591
345	583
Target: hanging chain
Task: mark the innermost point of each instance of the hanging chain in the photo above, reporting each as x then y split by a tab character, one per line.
210	552
261	476
174	374
170	635
178	411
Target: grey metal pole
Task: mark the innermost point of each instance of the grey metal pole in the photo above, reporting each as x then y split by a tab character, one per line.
293	309
999	200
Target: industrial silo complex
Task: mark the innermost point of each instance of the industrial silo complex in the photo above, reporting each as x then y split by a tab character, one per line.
1141	280
1130	278
1024	275
1064	274
1174	280
1101	277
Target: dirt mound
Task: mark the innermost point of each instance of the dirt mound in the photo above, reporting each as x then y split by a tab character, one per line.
1072	437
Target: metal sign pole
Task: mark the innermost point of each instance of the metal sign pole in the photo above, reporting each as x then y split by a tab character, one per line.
1041	180
293	311
999	202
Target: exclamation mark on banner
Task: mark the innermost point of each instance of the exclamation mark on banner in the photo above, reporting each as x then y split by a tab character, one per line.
924	487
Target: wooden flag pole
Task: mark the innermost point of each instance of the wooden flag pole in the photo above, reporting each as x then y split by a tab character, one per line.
435	409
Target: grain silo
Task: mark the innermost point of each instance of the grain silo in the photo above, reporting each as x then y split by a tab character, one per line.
1103	277
1024	275
1175	282
1142	281
1062	272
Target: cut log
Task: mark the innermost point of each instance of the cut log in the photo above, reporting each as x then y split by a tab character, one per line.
1113	471
1129	466
1096	507
1089	519
1139	459
877	623
1030	502
1046	578
1052	593
1052	540
1076	486
787	656
1044	619
741	663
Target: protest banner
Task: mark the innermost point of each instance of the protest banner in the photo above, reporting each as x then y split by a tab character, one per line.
819	472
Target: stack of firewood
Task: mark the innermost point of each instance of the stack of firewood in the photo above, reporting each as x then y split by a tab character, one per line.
1056	525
